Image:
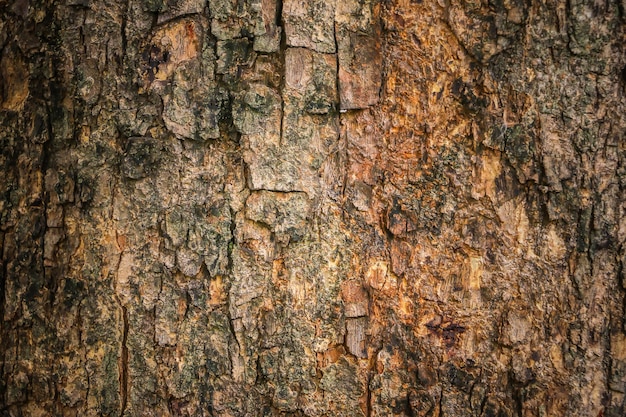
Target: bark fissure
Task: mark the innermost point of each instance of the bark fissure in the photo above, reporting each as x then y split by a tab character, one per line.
124	381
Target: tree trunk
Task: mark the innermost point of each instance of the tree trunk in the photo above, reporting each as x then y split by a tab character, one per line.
312	208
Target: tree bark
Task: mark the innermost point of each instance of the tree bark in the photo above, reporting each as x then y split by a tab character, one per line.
312	208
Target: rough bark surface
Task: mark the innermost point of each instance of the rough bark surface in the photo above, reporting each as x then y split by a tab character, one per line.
312	208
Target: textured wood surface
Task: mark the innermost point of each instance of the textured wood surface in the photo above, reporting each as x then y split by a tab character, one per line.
312	208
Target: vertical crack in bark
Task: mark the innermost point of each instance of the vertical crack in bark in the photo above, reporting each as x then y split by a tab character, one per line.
3	332
440	402
123	31
3	275
123	359
282	51
607	362
112	207
231	327
621	284
369	395
516	392
483	404
79	324
45	160
229	253
124	364
337	97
